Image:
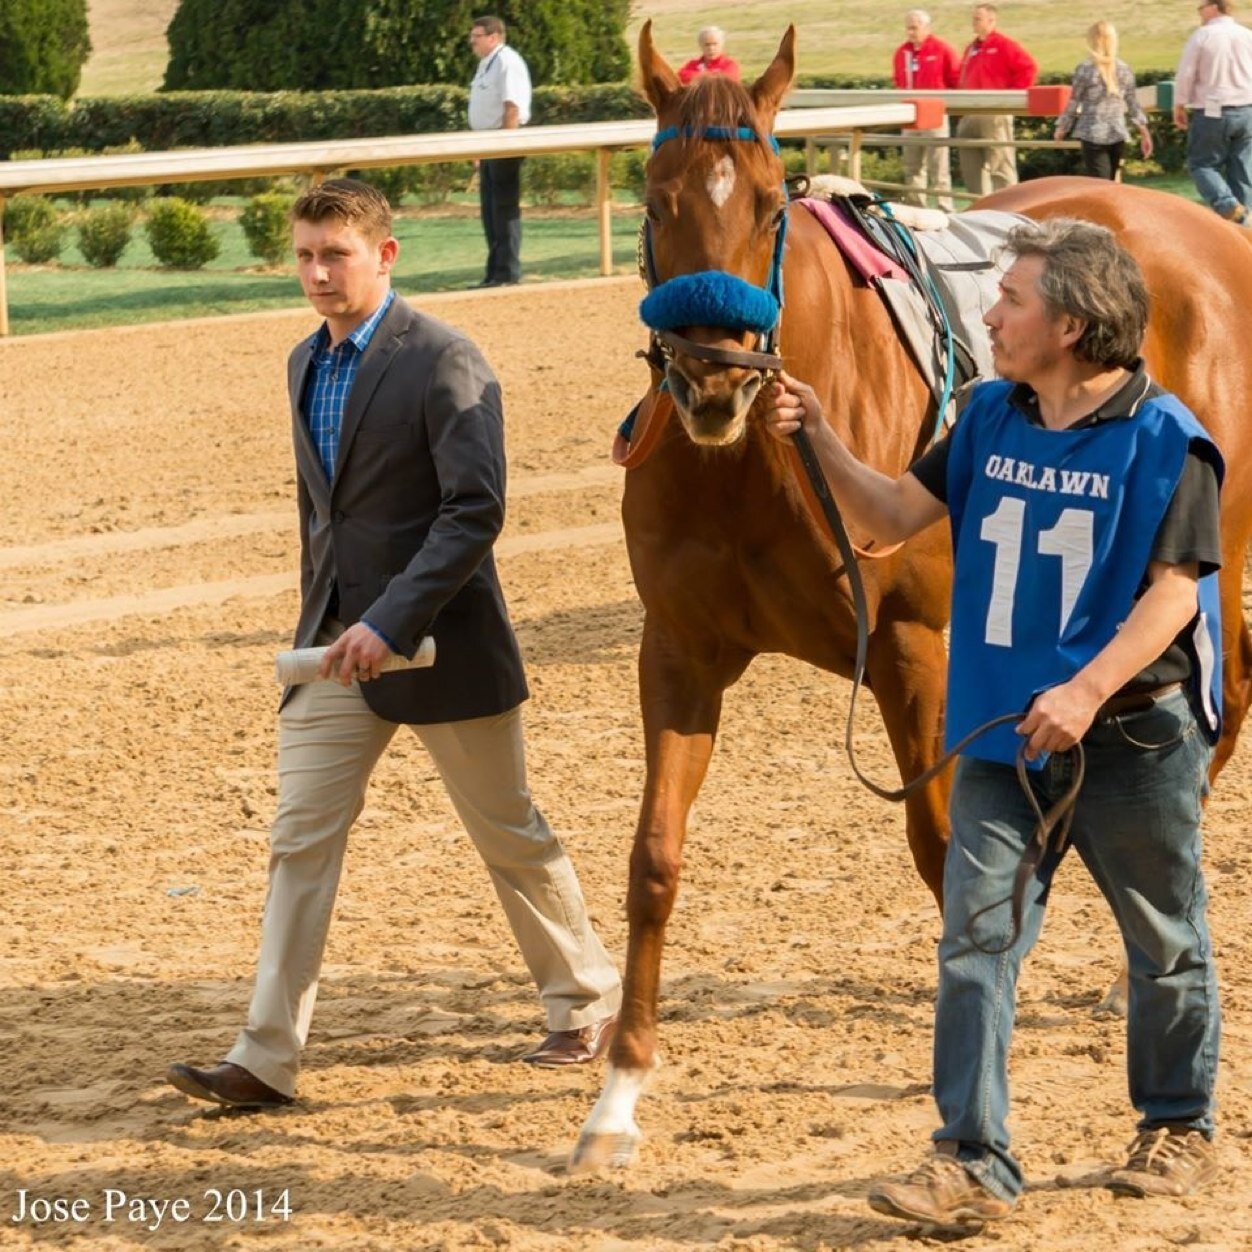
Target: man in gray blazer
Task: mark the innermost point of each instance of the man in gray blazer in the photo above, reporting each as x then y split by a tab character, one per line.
399	446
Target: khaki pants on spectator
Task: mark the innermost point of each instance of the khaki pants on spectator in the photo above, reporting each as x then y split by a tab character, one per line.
984	170
928	168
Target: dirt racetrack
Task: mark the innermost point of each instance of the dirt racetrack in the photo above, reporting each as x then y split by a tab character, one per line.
149	556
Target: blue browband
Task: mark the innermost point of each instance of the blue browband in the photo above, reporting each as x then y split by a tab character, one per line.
714	297
710	132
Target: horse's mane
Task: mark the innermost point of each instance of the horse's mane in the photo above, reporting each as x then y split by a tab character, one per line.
714	100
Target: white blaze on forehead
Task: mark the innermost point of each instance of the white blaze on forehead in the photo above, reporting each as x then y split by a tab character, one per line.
721	181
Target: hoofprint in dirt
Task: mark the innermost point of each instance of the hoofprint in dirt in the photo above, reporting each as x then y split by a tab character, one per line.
148	581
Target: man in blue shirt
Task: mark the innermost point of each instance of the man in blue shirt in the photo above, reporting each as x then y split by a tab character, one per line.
1084	510
399	442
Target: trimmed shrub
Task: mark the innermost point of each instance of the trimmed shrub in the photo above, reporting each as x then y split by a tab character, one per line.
43	46
435	183
266	223
560	178
394	181
179	235
35	228
627	171
104	232
26	213
41	244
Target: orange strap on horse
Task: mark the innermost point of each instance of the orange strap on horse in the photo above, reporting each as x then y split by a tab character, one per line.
652	414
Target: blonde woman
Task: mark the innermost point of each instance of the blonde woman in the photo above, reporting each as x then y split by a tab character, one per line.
1101	102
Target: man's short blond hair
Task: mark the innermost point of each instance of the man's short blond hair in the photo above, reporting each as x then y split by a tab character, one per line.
349	201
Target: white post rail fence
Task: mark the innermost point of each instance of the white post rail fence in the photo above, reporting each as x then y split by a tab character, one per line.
316	160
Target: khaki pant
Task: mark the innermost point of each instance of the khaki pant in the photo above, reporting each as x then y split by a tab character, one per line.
984	170
329	742
928	168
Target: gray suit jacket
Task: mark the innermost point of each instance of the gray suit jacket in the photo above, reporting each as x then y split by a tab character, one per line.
406	527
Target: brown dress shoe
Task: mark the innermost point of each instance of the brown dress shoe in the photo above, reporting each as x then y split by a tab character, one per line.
227	1084
574	1047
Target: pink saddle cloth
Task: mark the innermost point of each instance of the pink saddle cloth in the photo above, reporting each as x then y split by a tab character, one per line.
866	259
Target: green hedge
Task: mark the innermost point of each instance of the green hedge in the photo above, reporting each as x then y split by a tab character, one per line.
197	119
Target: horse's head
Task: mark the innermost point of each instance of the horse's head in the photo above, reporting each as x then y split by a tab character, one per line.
716	213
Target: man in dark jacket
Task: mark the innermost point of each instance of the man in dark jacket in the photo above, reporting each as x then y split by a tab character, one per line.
399	444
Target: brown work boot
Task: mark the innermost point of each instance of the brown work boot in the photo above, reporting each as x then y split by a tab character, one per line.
1238	215
1167	1160
942	1193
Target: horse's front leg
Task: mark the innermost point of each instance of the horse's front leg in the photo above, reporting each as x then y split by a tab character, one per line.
681	696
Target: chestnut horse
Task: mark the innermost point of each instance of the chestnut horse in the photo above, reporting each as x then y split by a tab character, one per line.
727	559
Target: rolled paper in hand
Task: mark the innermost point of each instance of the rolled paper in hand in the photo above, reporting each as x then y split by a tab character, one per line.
300	664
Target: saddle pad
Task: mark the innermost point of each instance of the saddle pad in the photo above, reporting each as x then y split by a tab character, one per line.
869	261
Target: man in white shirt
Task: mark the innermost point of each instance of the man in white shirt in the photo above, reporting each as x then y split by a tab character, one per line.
499	100
1213	104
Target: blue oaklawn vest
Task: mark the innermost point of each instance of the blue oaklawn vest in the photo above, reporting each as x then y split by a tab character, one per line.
1052	533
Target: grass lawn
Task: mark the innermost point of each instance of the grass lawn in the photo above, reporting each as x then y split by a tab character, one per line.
437	253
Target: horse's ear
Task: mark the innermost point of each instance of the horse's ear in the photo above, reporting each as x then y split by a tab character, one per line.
768	90
659	81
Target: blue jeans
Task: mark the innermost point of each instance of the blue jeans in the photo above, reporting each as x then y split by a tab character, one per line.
1137	829
1219	157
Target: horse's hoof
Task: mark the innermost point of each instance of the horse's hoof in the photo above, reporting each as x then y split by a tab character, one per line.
603	1150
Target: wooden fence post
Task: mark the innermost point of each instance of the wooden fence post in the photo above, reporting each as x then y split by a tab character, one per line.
4	293
604	203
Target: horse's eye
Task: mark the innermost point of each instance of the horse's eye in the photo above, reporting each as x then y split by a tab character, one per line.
652	212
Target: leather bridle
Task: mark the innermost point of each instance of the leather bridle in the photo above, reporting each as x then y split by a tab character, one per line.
665	344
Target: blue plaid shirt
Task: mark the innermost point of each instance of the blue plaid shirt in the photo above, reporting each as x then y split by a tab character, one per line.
330	383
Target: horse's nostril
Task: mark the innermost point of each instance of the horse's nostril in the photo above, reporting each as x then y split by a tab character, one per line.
679	387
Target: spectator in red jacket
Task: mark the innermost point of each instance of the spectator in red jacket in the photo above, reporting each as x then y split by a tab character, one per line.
712	58
992	62
924	62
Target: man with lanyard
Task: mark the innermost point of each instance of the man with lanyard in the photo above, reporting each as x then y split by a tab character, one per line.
1213	104
499	99
991	62
923	62
1083	503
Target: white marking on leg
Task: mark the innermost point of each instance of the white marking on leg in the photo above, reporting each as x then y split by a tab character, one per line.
610	1133
721	181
